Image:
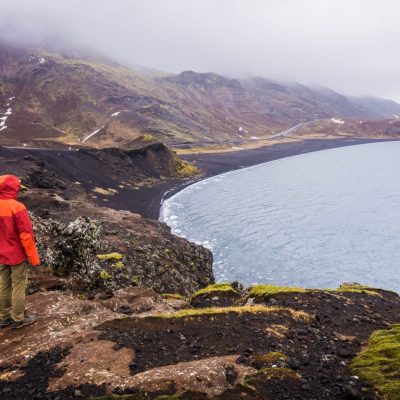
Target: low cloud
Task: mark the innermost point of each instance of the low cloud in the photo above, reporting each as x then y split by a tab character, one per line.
350	46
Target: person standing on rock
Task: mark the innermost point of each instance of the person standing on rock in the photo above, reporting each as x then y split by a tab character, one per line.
17	248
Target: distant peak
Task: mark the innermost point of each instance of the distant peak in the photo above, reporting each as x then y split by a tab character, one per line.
203	78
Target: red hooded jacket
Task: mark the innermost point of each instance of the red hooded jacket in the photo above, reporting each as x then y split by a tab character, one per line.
17	242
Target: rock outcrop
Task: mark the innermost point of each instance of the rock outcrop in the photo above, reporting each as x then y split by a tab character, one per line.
70	249
104	255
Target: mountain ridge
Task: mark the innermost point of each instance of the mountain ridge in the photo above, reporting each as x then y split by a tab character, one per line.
66	97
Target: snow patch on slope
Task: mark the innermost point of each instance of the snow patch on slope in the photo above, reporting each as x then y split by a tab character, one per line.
92	134
6	114
337	121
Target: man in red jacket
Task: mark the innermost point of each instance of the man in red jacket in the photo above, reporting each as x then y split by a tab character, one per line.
17	246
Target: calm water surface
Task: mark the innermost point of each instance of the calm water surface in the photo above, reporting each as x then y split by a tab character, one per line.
314	220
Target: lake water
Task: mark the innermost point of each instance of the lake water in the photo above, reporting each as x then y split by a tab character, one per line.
313	220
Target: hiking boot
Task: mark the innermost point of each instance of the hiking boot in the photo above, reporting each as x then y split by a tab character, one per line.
29	319
5	322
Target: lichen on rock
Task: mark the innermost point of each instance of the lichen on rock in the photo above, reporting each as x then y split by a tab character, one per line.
70	249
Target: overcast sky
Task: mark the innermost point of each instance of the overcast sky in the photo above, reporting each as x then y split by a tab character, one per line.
351	46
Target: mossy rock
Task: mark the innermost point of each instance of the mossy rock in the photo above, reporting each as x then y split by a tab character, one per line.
379	364
216	295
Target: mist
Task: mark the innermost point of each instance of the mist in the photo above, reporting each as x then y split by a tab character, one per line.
349	46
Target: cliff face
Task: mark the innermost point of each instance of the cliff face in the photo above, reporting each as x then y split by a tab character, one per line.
120	179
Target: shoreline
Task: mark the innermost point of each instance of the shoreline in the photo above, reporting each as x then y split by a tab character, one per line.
214	164
78	166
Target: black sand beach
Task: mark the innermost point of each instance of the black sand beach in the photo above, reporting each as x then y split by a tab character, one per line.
146	200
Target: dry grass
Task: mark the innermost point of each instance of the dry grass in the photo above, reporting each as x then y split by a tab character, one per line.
258	309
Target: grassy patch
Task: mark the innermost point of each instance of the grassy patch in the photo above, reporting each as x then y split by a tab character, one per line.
300	315
110	257
277	330
217	287
380	362
273	373
106	192
271	290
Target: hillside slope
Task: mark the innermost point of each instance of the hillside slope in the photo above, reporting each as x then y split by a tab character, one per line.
65	97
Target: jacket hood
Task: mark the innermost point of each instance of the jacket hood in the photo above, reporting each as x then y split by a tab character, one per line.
9	186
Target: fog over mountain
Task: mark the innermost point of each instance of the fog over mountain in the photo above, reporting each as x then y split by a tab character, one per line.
348	46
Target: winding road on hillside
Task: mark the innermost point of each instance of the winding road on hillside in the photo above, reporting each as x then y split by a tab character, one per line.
283	133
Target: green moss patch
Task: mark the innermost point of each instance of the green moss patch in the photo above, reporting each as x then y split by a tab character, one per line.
271	357
118	265
148	138
301	315
104	275
110	257
172	296
379	364
182	168
358	289
271	290
217	287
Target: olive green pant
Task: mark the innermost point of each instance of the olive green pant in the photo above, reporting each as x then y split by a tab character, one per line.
13	282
